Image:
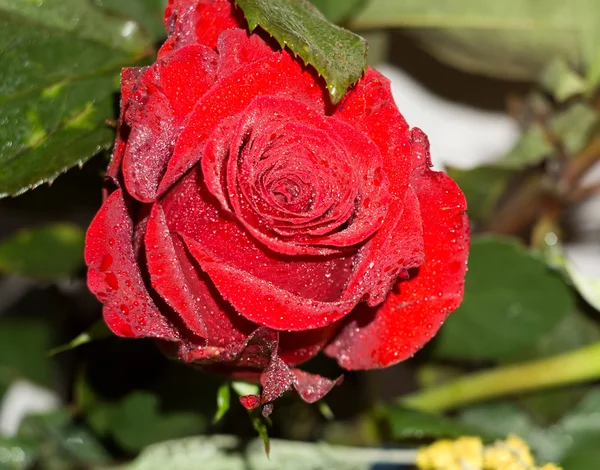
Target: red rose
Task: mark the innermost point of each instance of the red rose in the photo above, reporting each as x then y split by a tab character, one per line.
253	224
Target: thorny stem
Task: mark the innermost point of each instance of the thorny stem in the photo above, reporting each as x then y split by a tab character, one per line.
577	366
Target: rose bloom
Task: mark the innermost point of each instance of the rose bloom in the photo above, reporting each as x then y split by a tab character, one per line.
249	223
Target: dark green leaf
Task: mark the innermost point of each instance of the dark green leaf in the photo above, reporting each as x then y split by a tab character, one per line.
578	432
63	441
511	300
49	253
513	39
17	453
60	66
337	54
504	418
483	186
24	344
337	11
136	422
260	426
98	331
406	423
223	402
573	332
584	455
149	13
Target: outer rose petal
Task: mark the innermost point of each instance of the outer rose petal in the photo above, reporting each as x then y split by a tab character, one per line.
156	110
370	108
129	77
198	22
237	49
383	336
115	278
168	279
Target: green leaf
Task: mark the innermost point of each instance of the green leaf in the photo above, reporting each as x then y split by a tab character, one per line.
223	402
60	66
562	81
531	148
578	432
17	453
148	13
23	351
136	422
260	426
504	418
231	453
98	331
63	442
588	286
584	455
573	332
406	423
337	11
483	186
336	53
512	39
511	300
574	125
48	253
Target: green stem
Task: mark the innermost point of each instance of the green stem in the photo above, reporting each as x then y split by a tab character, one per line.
576	366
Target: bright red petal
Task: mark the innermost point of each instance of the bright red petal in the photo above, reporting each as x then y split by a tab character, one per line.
115	278
198	22
157	108
278	74
379	337
264	303
166	275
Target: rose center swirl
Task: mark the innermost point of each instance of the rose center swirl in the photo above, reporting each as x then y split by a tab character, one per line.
288	175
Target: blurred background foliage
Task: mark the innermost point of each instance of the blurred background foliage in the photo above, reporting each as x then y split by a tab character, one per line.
521	355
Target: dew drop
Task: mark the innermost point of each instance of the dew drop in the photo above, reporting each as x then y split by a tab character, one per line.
112	281
106	262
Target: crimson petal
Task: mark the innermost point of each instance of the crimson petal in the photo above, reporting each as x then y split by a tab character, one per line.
115	278
264	303
197	22
408	319
166	274
277	74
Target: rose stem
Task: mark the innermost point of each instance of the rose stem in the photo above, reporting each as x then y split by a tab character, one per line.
580	365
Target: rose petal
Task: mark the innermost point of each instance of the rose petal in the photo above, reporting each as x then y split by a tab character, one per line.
277	74
311	387
263	302
198	22
129	77
396	248
383	336
186	76
370	107
155	112
237	48
191	210
166	274
115	278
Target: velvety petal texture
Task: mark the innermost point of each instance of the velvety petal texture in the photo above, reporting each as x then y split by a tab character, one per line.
249	224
